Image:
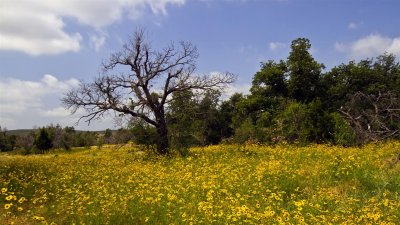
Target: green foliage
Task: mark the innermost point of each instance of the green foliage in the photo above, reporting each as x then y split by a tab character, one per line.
198	119
143	133
43	142
85	139
67	139
245	132
295	123
291	100
342	132
294	100
64	138
304	72
181	116
7	141
270	80
107	136
209	124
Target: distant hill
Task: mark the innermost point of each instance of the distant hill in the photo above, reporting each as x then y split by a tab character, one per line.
23	132
19	132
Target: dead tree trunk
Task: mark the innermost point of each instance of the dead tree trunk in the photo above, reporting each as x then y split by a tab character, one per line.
162	141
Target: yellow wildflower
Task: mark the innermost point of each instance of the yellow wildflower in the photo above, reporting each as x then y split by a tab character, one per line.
39	218
21	200
7	206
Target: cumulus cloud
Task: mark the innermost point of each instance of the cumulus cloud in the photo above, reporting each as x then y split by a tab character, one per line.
370	46
35	34
276	45
25	104
58	112
22	100
375	44
37	27
236	88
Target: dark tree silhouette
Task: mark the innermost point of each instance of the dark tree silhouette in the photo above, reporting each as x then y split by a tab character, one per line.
43	140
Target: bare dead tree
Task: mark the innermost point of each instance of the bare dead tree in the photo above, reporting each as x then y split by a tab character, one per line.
145	89
373	117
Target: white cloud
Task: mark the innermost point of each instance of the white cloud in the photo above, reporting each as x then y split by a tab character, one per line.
35	33
236	88
373	45
25	104
394	46
21	97
276	45
37	27
56	112
370	46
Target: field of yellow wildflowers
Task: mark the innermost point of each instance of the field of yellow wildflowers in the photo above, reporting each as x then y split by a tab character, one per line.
224	184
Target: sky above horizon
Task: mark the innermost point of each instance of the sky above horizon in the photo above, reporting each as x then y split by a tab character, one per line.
47	47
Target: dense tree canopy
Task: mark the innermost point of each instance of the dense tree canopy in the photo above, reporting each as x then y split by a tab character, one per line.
303	71
294	100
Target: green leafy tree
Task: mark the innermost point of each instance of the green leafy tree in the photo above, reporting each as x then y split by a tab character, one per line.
143	133
343	134
182	114
209	126
43	142
389	68
271	79
304	72
236	109
294	123
226	113
68	138
268	91
108	136
7	142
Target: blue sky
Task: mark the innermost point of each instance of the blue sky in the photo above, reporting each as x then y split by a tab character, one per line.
47	47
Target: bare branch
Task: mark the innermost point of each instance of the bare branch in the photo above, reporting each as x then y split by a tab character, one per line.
372	116
134	91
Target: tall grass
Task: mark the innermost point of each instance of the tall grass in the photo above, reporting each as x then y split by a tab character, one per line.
224	184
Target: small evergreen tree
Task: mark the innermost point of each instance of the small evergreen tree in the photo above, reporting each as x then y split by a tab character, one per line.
43	141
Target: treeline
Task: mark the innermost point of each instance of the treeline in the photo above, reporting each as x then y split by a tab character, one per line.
294	100
55	137
297	101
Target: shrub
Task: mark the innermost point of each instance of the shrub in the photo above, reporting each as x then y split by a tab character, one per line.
43	142
343	134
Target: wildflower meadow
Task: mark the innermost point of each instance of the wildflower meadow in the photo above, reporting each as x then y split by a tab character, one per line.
222	184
